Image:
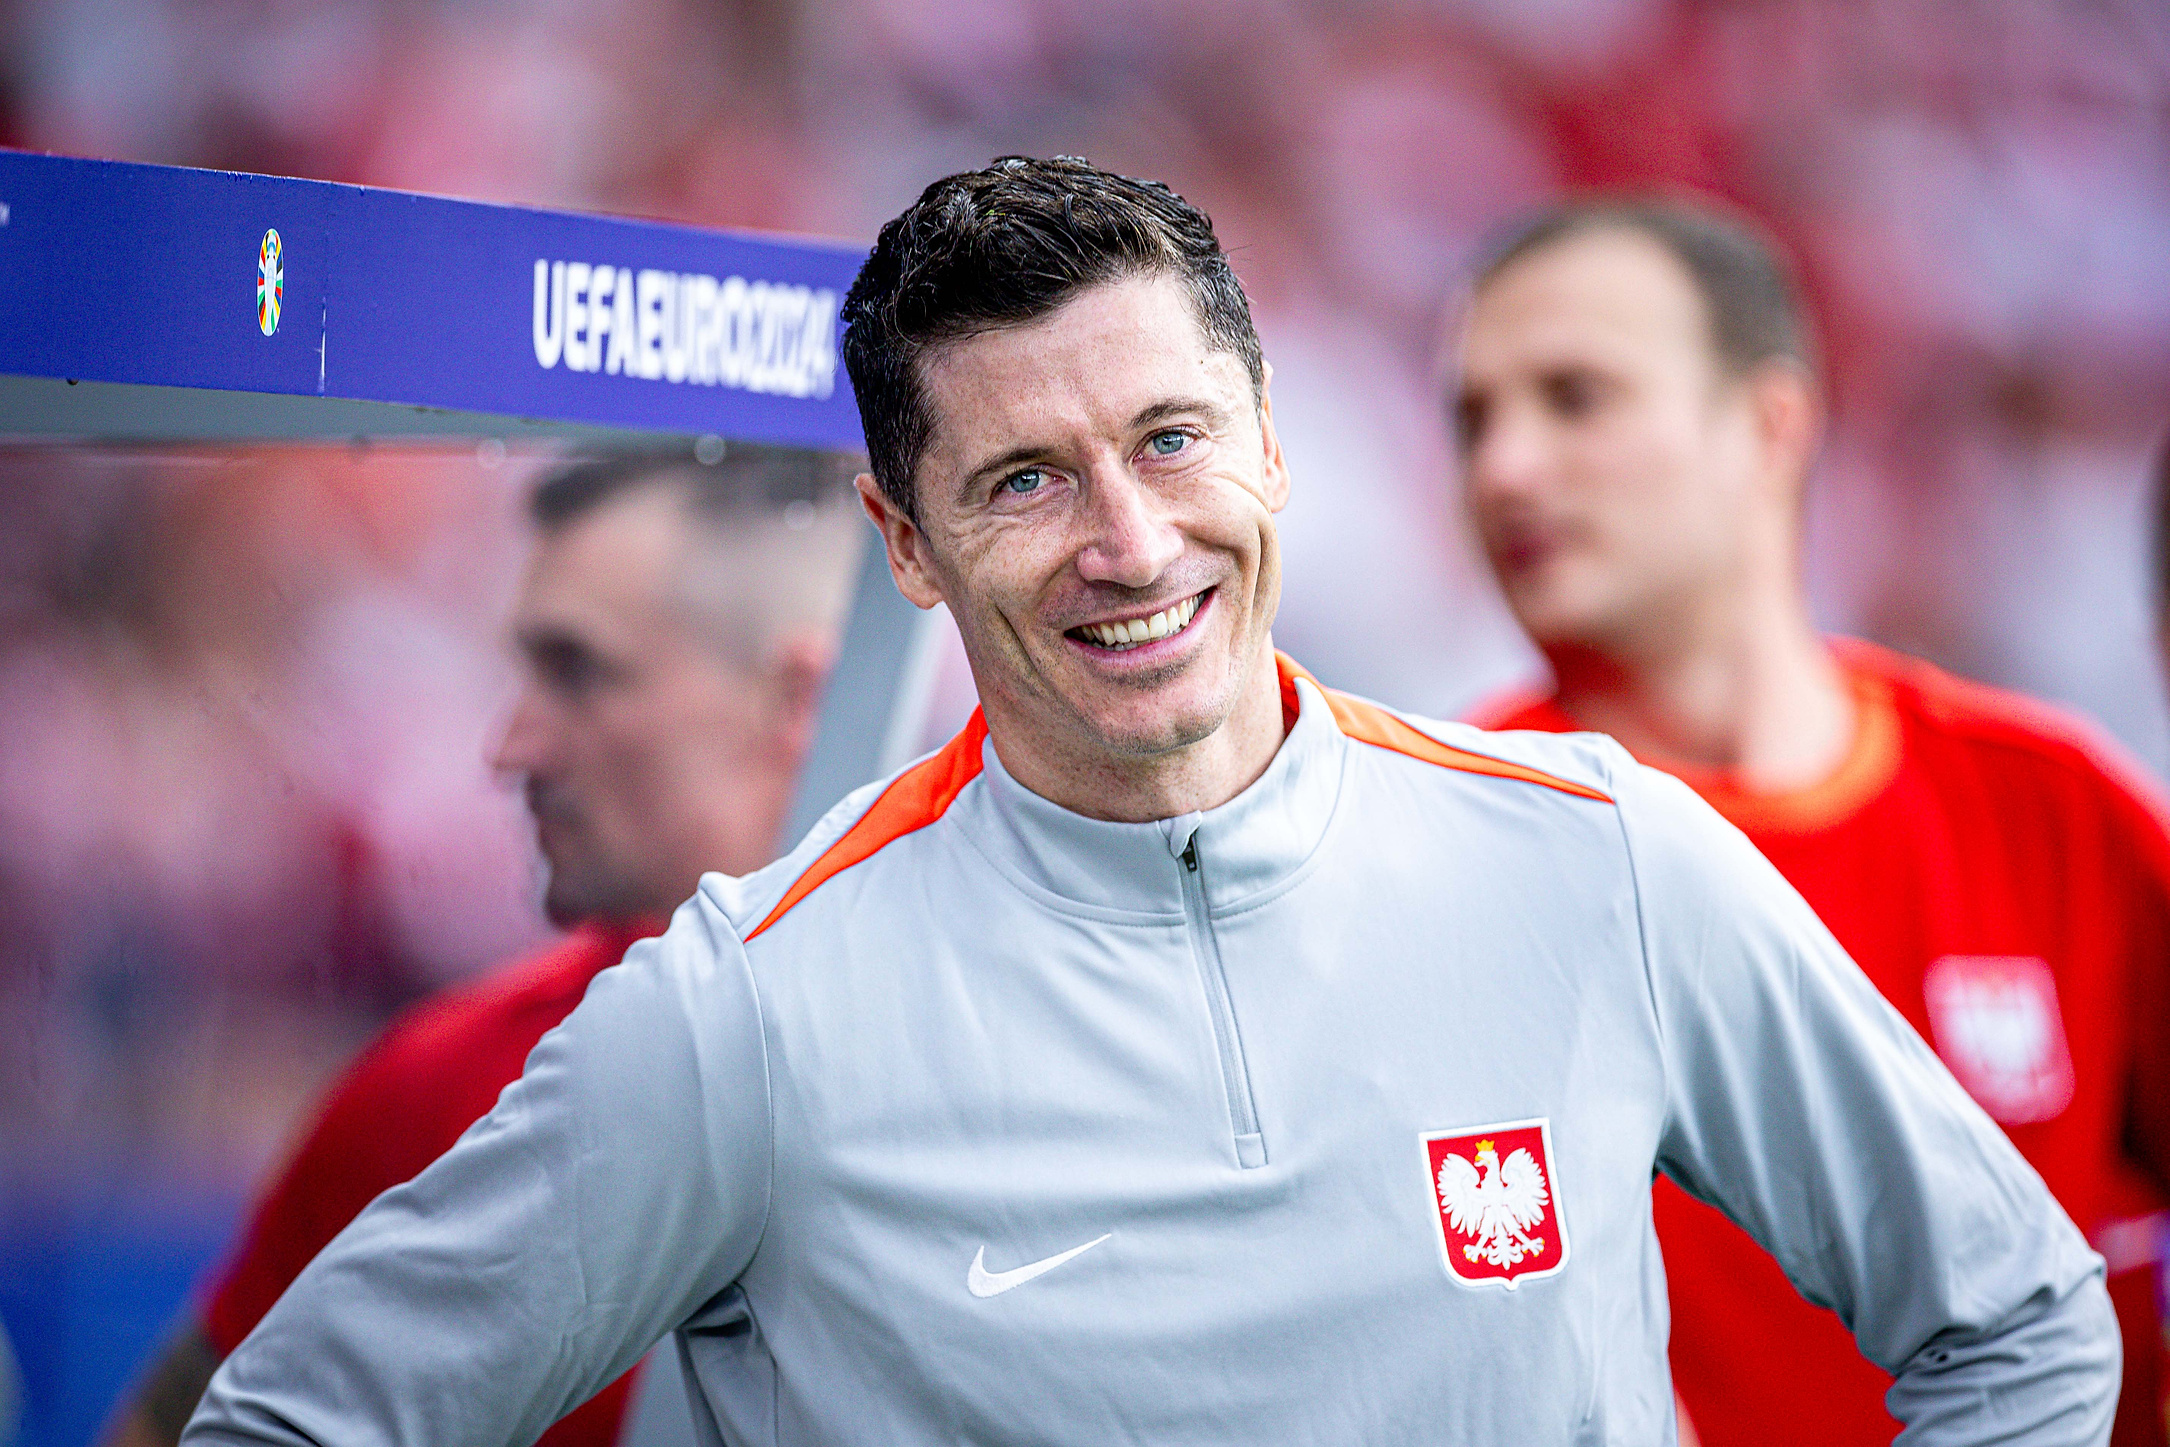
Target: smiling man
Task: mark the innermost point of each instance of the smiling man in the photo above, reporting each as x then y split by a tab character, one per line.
1185	1053
1099	515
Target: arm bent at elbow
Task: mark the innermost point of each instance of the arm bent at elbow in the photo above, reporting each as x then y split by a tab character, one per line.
1804	1107
2047	1374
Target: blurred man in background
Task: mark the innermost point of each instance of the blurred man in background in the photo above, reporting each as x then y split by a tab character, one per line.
1637	415
675	627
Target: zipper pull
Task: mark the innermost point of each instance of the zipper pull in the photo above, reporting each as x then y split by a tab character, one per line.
1190	854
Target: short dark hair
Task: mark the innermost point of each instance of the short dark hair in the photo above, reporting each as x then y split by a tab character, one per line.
1007	245
770	532
744	475
1756	316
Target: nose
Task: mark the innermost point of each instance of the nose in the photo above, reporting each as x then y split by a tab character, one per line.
1130	543
1510	456
523	747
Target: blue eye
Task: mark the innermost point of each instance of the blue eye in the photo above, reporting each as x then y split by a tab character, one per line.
1168	444
1024	482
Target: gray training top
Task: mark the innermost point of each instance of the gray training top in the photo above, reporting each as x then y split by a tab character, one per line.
1326	1116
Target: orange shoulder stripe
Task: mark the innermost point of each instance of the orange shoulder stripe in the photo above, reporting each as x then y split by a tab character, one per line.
919	796
1368	723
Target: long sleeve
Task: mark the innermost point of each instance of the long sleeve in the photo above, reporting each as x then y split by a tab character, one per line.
1805	1108
617	1186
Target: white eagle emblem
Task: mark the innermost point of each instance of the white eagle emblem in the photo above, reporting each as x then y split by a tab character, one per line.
1496	1202
1996	1023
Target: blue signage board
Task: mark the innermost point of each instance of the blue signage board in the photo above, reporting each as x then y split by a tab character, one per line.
159	277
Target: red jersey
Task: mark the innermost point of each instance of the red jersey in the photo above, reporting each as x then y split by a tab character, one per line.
2004	879
403	1103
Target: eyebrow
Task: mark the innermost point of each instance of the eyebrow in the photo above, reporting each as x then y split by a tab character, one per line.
1162	411
540	641
1175	407
1016	456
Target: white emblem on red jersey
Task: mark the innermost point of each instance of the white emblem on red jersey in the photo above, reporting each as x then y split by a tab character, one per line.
1996	1024
1497	1202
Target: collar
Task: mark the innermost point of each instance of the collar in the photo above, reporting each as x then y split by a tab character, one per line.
1872	759
1869	765
1253	844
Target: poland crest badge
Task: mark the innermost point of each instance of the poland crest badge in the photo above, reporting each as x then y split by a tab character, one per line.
1497	1202
1996	1023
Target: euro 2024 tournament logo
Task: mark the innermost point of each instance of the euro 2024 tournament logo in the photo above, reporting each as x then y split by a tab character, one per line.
270	282
1497	1202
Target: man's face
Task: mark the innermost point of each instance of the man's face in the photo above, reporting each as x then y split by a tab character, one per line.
643	749
1609	467
1096	508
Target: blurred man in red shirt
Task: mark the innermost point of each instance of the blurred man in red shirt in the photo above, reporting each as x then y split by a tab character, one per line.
675	626
1637	416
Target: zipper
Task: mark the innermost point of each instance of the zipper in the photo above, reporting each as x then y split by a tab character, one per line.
1235	1075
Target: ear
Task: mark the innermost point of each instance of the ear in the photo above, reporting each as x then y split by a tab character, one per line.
1275	476
1789	425
798	668
909	561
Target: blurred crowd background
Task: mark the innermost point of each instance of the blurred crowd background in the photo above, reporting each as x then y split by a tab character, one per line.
247	696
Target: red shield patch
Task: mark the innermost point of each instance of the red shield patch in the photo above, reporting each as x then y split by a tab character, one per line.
1996	1024
1497	1202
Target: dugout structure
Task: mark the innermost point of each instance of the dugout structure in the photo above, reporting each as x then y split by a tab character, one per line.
154	304
145	305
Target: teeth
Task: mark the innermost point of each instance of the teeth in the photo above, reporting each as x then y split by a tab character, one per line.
1130	632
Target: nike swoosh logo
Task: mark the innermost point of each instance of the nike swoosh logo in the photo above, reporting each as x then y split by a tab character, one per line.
983	1283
